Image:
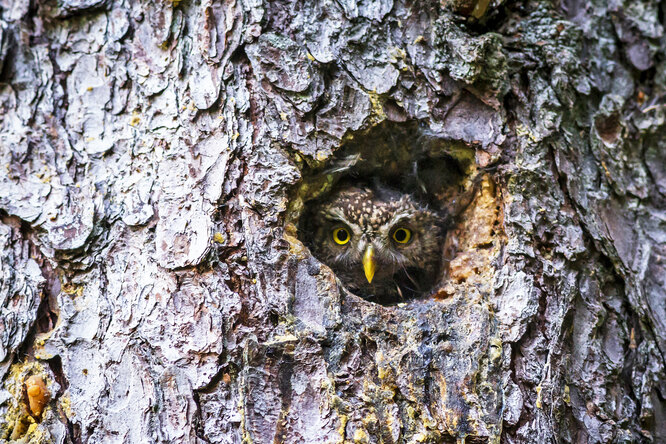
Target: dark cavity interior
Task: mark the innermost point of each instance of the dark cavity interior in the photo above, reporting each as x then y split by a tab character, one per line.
403	157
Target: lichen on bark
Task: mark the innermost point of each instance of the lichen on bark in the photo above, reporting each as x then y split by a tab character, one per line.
156	157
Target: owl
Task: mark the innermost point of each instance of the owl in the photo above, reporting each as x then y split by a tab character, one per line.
381	243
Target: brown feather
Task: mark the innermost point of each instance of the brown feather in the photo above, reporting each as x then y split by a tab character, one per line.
371	214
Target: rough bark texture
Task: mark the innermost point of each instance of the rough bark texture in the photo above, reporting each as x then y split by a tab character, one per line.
157	157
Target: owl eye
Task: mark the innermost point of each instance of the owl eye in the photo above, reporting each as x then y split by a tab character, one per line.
341	236
402	235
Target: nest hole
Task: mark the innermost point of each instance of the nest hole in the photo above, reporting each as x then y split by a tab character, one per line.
359	189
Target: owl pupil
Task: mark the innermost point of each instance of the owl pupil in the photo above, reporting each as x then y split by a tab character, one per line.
400	235
342	235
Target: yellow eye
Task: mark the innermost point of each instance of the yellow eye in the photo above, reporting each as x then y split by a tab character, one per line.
341	236
402	235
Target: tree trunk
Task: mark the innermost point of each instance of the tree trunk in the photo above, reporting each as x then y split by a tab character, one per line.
158	160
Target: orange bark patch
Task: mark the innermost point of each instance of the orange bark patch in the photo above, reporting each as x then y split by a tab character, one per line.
38	394
474	243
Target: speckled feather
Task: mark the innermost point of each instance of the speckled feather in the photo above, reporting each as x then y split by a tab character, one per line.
372	214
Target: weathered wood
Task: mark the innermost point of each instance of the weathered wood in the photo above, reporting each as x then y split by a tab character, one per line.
157	159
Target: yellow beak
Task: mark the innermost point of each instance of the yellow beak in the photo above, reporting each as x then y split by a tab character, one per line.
369	263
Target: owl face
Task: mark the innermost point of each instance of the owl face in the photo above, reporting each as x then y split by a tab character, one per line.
379	242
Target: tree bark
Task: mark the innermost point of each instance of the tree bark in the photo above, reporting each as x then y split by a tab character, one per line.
158	159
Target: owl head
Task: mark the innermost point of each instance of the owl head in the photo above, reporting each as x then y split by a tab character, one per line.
381	243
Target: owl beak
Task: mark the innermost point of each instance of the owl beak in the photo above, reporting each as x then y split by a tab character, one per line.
369	263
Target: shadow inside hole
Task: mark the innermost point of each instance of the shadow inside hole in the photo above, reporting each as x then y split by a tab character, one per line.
389	162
